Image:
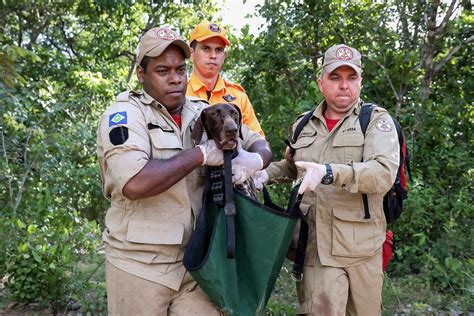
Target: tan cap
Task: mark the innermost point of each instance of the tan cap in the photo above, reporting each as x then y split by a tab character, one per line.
154	42
340	55
205	30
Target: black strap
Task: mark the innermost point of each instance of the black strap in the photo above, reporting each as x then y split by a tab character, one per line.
364	116
300	256
366	206
229	207
364	119
297	131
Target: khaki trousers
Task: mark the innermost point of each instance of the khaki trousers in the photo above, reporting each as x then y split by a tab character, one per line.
342	291
131	295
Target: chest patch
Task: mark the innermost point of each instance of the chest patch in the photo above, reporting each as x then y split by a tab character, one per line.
383	125
229	98
118	118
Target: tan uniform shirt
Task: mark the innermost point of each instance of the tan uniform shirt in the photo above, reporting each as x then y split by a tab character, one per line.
226	92
368	165
147	237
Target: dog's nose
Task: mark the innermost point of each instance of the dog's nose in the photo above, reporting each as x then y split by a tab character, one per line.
230	127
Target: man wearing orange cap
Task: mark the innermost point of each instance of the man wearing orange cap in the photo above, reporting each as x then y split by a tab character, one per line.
342	272
152	171
208	42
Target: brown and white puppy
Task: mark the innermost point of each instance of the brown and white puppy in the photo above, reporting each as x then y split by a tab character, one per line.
222	123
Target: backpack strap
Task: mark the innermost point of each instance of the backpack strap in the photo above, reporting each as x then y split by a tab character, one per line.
297	131
364	119
364	116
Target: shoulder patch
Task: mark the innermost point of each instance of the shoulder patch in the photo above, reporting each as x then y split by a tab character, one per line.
118	135
383	125
234	85
118	118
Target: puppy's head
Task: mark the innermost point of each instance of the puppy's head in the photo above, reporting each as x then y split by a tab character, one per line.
222	123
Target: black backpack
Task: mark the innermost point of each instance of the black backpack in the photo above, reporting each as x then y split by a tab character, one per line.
393	200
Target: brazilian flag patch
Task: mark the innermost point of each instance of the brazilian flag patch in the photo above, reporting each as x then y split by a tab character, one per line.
118	118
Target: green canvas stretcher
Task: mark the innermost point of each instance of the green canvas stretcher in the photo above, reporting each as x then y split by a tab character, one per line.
263	233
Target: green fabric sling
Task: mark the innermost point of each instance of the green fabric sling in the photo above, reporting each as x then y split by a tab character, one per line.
263	233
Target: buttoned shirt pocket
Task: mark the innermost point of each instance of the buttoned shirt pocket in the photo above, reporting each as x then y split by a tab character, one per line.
304	141
158	236
348	148
352	235
165	141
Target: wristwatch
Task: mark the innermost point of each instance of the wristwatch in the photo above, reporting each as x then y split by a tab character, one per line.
329	177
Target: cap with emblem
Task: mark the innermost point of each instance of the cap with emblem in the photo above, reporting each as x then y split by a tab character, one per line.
205	30
342	55
154	42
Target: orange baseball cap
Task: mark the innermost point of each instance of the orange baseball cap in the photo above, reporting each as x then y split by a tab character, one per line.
155	41
205	30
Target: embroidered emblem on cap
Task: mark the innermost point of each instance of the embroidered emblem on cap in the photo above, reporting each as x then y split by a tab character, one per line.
344	53
229	98
118	118
383	125
213	27
166	34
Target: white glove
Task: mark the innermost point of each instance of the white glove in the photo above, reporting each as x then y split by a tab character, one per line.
245	165
213	156
260	178
314	173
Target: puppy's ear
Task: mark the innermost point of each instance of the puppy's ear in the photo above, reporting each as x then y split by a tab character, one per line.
240	120
198	128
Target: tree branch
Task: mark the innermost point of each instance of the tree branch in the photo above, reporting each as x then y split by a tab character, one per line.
397	95
6	162
451	53
446	18
28	168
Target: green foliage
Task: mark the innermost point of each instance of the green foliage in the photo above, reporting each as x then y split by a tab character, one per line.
43	269
63	63
415	295
279	72
283	300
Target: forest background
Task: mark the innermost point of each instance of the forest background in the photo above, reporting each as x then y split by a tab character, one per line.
63	62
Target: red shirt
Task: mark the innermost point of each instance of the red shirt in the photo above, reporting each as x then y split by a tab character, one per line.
177	119
330	123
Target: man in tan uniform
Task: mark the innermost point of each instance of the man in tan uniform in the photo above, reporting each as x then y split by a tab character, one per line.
343	264
208	42
153	174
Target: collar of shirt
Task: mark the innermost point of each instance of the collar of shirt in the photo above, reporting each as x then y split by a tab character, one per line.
322	107
144	97
196	83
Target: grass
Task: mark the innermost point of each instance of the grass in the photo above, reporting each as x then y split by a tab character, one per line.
407	295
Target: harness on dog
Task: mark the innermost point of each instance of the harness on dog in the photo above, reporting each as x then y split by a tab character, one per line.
229	208
222	195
